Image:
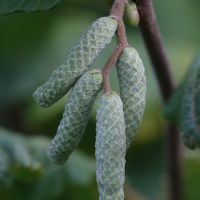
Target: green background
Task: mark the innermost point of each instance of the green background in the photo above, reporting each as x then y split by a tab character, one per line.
32	45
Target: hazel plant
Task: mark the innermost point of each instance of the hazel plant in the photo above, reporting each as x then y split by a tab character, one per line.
118	117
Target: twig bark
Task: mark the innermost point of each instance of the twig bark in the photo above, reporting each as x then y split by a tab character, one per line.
152	39
173	158
116	13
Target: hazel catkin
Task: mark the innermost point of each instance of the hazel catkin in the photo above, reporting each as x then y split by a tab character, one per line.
80	58
132	82
110	147
75	117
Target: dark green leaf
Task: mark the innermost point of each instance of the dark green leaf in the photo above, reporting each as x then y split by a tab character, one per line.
183	108
172	109
188	126
11	6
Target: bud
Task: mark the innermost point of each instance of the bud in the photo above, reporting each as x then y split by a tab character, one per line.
131	16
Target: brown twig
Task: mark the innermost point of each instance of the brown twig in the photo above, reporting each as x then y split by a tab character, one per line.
173	160
152	39
116	13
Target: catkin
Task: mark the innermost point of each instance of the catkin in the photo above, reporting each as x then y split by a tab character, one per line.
77	62
75	117
110	147
132	82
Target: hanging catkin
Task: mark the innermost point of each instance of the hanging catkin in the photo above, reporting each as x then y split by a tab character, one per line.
110	147
77	62
75	117
132	82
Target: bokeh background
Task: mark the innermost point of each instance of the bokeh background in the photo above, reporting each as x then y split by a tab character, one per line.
32	45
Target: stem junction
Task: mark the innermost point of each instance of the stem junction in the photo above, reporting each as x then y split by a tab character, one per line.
117	14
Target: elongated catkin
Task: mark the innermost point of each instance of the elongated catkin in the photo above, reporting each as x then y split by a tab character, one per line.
132	82
75	117
110	147
77	62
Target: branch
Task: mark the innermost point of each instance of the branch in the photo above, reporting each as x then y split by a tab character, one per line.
116	13
108	67
152	39
173	161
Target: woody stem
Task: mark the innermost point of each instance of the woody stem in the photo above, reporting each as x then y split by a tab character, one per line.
116	13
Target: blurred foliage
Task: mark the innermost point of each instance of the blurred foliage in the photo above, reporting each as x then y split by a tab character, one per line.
191	174
183	107
24	168
172	109
11	6
34	44
6	178
79	172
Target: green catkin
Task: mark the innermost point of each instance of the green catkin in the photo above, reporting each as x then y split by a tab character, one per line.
75	116
110	147
77	62
132	82
6	178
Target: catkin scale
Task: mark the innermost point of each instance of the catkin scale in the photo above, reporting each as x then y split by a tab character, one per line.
75	117
77	62
132	82
110	147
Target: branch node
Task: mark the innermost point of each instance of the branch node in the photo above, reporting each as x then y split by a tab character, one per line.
116	14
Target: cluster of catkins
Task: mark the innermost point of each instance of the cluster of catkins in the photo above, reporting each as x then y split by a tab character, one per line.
118	118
